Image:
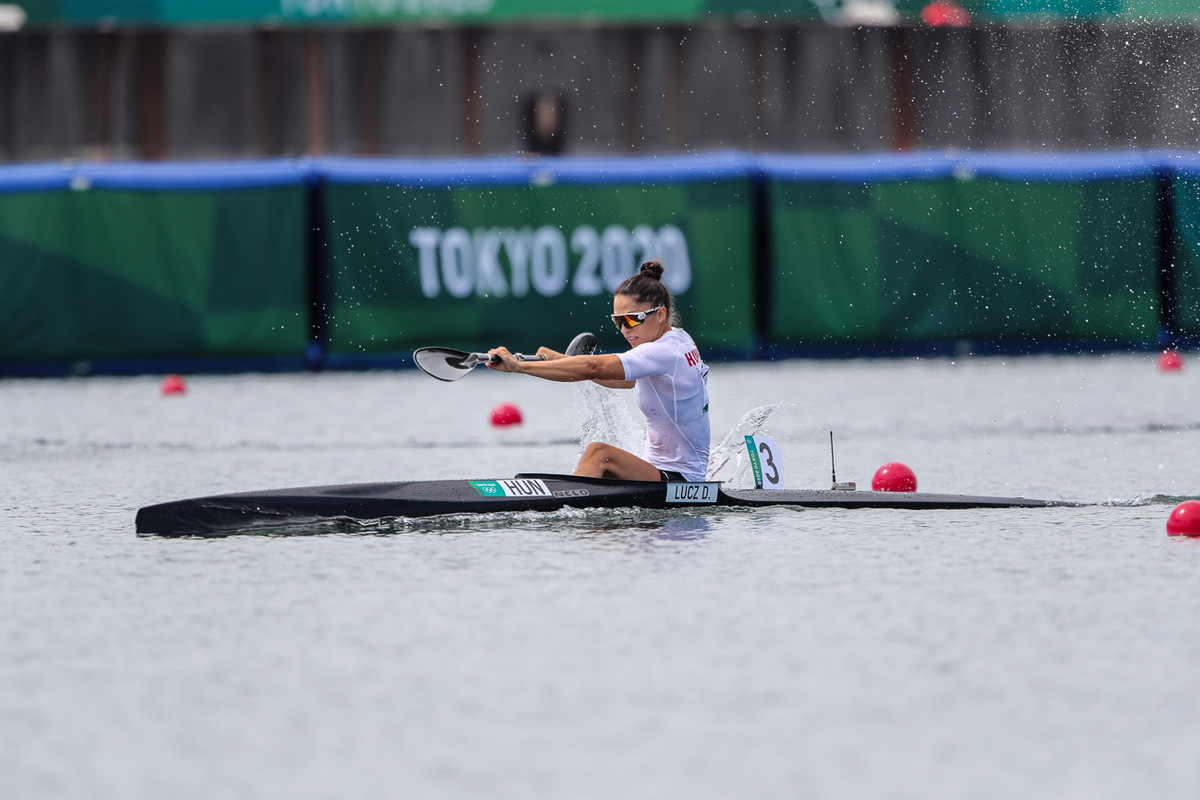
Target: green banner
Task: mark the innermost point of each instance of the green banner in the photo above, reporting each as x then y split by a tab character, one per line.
1186	196
522	266
117	273
1086	10
946	260
183	12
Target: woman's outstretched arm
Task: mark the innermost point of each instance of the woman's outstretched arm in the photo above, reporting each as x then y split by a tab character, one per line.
607	369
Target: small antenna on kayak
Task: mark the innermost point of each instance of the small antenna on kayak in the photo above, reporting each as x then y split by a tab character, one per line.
848	486
832	461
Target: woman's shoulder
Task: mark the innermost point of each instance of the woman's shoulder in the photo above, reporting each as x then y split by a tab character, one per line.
680	338
674	342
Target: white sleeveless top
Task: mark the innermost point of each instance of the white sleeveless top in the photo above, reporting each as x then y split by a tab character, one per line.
672	391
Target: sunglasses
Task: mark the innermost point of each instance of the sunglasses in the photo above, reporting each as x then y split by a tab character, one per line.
634	319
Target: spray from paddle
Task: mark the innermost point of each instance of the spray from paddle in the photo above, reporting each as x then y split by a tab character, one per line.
733	446
610	419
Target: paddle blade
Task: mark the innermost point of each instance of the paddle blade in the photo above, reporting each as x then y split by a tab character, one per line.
582	345
446	364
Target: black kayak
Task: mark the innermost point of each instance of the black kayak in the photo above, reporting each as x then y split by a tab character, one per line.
364	502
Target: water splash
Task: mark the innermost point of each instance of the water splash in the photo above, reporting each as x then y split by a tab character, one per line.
610	419
729	453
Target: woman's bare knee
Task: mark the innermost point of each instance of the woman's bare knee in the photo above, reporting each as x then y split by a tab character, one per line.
600	460
595	459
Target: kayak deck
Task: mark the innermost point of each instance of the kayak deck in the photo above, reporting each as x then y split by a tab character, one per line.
276	508
825	498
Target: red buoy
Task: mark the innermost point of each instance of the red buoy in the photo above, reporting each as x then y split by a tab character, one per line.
1185	519
894	477
945	13
506	414
1170	361
173	384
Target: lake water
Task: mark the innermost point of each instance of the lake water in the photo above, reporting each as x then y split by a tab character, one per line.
1015	653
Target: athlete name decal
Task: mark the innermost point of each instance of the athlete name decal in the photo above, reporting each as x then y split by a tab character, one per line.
692	492
513	487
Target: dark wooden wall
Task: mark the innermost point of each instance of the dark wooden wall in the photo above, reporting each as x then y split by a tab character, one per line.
187	93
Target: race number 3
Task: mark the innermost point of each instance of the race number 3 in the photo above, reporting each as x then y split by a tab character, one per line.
766	459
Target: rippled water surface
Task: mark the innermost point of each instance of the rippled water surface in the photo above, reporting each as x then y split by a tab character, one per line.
1015	653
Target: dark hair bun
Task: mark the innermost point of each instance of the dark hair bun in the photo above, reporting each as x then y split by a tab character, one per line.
652	269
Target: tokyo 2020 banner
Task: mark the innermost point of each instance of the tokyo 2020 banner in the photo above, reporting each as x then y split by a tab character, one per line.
514	255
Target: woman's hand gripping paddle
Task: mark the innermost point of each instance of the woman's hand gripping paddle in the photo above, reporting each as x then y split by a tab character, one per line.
446	364
450	365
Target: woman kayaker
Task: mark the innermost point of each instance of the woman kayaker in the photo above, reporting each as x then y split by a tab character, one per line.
664	369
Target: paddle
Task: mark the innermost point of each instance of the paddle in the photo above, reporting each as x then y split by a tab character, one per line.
450	365
447	364
582	345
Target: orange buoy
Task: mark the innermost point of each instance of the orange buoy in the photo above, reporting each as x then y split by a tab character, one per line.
894	477
1185	519
506	414
172	385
